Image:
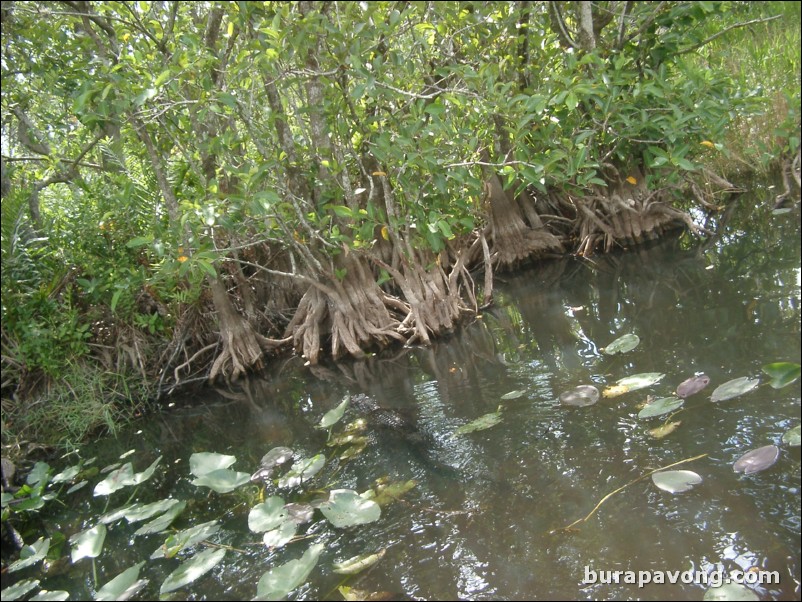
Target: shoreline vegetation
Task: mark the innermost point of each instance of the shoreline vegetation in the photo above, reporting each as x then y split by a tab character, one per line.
189	190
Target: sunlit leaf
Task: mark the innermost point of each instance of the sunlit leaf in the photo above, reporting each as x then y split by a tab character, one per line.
513	395
793	437
77	486
387	493
19	589
50	596
633	383
665	430
143	476
483	422
160	523
275	538
333	416
139	512
661	406
203	463
757	459
38	475
692	386
191	570
183	539
622	344
223	480
302	471
734	388
782	373
346	508
116	480
124	586
280	581
68	474
354	565
676	481
88	544
30	555
267	515
299	513
730	592
581	396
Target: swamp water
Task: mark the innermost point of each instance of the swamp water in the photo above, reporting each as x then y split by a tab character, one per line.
485	516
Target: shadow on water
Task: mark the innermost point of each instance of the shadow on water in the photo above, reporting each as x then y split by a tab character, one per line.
478	523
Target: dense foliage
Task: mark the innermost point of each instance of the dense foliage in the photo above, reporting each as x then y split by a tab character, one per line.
188	187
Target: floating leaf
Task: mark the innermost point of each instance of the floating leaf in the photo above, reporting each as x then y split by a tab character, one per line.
332	417
124	586
513	395
661	406
275	538
346	508
38	475
223	480
183	539
782	373
734	388
387	493
68	474
480	424
48	596
730	592
692	385
191	570
633	383
88	544
354	565
116	480
30	555
793	437
280	581
299	513
757	459
665	430
160	523
137	512
581	396
622	344
203	463
302	471
19	589
267	515
676	481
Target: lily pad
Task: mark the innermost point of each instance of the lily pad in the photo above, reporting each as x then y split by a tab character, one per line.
280	581
203	463
299	513
793	437
333	416
124	477
483	422
782	373
513	395
223	480
124	586
734	388
268	515
137	512
183	539
30	555
88	544
676	481
661	406
19	589
346	508
692	385
281	535
302	471
622	344
757	459
50	596
160	523
191	570
581	396
388	492
633	383
354	565
730	592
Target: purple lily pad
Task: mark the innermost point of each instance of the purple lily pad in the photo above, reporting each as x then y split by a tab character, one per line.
692	386
757	459
581	396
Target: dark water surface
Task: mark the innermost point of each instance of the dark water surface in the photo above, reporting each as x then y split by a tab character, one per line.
478	524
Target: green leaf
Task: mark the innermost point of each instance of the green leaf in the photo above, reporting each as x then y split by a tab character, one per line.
622	344
333	416
302	471
139	241
483	422
280	581
267	515
357	564
661	406
88	544
513	395
223	480
160	523
734	388
19	589
30	555
48	596
793	437
124	586
346	508
281	535
191	570
202	463
139	512
38	475
183	539
782	373
676	481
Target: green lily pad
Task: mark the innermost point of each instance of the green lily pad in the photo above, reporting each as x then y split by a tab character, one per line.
280	581
346	508
793	437
191	570
202	463
483	422
333	416
757	459
300	513
160	523
68	474
124	477
730	592
302	471
622	344
50	596
139	512
513	395
223	480
124	586
387	492
581	396
30	555
734	388
357	564
281	535
782	373
19	589
88	544
183	539
676	481
661	406
267	515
